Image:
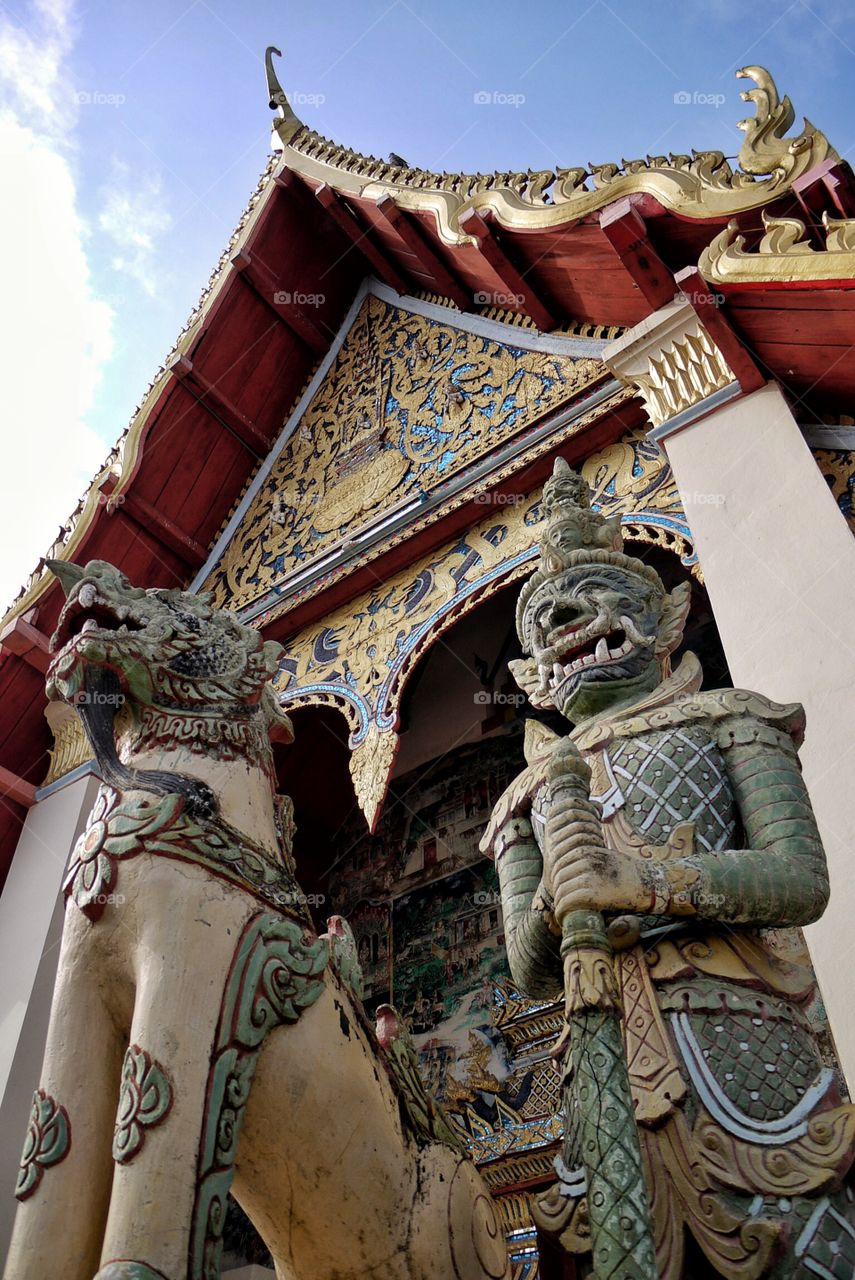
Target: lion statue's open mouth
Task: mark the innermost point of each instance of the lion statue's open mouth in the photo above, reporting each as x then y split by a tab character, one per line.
182	675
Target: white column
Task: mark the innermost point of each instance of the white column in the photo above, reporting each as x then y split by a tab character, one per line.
31	916
778	560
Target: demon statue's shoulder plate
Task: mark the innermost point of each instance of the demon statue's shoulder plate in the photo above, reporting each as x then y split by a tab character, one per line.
732	715
516	800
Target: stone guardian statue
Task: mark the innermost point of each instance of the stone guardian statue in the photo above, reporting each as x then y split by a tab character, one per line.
203	1038
680	818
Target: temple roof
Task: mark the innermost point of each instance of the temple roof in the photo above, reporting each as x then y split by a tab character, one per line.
578	252
702	185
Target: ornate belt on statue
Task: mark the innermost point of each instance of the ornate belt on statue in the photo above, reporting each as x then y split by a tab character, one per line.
121	828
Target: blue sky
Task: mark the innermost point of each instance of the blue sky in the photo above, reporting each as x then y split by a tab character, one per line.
132	134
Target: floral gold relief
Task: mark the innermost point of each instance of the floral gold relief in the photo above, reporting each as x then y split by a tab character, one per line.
408	403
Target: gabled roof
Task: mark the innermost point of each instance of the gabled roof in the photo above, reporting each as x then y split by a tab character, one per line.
567	251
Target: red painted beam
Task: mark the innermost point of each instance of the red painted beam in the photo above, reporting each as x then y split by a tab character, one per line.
165	530
510	279
360	237
829	183
26	641
283	303
416	244
626	232
219	406
701	297
16	789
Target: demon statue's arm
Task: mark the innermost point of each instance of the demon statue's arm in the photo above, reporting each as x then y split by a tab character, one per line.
780	876
532	935
533	943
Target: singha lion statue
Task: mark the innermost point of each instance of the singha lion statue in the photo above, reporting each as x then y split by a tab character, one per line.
679	819
202	1038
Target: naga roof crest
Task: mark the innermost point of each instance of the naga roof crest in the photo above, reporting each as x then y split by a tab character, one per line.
699	185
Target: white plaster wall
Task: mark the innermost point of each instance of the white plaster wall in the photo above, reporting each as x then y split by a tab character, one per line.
779	563
31	915
28	900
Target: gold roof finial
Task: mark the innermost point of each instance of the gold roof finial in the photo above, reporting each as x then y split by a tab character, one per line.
288	123
766	151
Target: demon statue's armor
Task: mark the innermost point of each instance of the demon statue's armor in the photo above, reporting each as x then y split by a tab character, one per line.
705	856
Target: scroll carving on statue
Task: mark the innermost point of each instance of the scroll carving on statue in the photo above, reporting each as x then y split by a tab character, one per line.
203	1039
698	840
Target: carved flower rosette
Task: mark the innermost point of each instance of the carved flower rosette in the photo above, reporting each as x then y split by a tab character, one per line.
115	830
47	1142
144	1101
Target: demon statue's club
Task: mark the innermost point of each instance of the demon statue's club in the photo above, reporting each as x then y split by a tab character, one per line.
202	1037
682	817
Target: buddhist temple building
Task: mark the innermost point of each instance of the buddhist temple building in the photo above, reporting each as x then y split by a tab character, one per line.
347	447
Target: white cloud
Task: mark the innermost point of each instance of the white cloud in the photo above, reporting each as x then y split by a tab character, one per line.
133	218
55	332
32	65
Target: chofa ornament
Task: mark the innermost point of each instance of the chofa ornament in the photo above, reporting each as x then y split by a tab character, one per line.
203	1039
649	858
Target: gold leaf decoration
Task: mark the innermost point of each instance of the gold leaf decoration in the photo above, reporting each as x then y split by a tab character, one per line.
699	185
408	402
358	658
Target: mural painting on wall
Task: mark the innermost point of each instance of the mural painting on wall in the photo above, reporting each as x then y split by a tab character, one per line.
449	950
425	910
838	469
371	925
432	821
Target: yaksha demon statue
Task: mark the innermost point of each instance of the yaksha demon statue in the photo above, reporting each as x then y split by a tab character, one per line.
203	1038
657	851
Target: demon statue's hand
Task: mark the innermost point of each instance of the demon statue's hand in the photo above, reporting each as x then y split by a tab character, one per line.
580	872
597	879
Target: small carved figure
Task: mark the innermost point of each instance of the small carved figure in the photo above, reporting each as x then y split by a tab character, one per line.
202	1037
682	817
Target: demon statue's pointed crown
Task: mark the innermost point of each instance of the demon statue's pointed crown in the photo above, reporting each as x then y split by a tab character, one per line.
597	625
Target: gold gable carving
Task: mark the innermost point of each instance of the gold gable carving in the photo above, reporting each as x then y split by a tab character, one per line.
407	403
838	468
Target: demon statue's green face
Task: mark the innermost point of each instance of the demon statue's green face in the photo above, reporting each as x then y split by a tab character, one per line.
597	626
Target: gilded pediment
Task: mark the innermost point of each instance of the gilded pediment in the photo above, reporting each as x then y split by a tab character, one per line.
408	400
